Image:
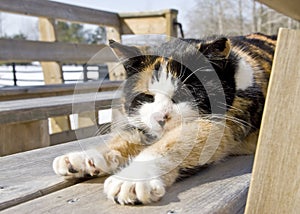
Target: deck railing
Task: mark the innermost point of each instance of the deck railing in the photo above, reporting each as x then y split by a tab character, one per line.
33	132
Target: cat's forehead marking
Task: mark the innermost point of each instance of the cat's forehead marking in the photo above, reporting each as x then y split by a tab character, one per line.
162	80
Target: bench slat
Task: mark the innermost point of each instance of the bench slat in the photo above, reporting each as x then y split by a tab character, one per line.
29	175
220	188
13	50
25	92
56	10
43	108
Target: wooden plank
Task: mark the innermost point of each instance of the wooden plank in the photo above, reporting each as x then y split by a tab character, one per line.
43	108
276	173
27	51
25	92
147	13
289	8
23	137
29	175
220	188
158	22
81	133
147	25
55	10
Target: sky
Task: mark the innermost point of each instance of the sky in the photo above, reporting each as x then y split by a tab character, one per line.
14	24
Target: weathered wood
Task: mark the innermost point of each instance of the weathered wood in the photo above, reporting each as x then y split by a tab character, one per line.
23	137
276	173
116	70
78	134
147	14
43	108
29	175
52	71
55	10
27	51
159	22
289	8
147	25
25	92
171	28
220	188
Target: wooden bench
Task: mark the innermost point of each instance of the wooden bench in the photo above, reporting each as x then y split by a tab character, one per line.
26	113
29	185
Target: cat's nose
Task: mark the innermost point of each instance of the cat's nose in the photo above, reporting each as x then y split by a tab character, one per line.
162	122
160	118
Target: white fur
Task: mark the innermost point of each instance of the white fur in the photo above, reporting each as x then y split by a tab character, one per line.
138	181
81	162
151	113
164	84
127	192
244	75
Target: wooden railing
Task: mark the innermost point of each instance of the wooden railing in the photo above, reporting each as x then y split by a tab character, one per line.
24	123
161	22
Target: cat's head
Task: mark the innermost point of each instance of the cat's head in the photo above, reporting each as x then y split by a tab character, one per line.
178	81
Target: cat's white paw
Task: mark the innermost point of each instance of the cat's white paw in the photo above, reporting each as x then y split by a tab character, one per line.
124	191
78	165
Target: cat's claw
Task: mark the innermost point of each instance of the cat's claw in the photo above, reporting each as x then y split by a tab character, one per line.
75	165
124	192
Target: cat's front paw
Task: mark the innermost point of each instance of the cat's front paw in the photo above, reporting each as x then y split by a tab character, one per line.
125	192
75	165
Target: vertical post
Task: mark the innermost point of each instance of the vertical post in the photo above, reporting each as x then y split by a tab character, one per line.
85	75
116	71
171	18
52	71
14	73
275	184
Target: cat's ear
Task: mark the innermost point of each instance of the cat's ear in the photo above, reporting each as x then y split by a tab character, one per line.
218	49
124	52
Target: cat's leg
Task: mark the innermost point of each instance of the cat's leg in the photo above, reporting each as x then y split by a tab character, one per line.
159	165
102	160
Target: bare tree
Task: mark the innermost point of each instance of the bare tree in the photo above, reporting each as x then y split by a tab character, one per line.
1	22
220	16
235	17
254	17
241	17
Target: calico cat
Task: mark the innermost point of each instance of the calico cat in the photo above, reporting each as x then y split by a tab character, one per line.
187	103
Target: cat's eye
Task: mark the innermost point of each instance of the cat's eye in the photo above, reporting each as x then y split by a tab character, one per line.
147	98
157	66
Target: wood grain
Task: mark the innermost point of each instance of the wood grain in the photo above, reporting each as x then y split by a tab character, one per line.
22	137
25	92
43	108
13	50
146	25
29	175
52	71
289	8
275	186
220	189
81	133
55	10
